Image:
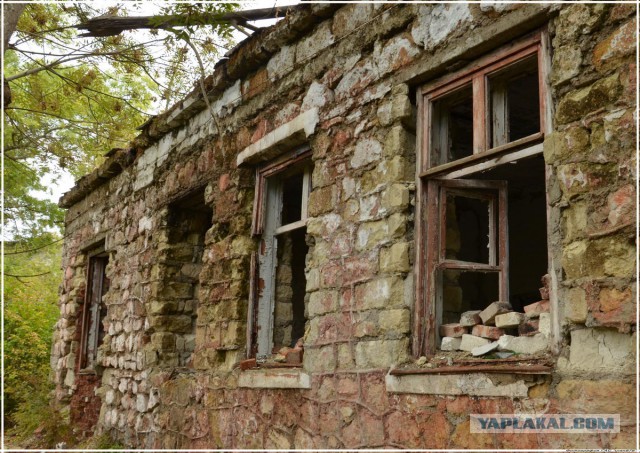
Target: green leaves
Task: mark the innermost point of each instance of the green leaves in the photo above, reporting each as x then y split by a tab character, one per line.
30	312
75	99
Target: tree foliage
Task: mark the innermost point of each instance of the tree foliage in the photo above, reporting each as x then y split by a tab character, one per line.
73	99
30	312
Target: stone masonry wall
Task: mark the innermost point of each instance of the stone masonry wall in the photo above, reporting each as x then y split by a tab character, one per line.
358	65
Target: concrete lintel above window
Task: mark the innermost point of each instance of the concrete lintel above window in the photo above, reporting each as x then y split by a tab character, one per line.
275	379
472	384
282	139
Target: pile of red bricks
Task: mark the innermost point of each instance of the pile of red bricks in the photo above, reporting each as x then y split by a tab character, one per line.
284	356
498	327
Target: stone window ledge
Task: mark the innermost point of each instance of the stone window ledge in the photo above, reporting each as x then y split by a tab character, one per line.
280	140
459	381
275	378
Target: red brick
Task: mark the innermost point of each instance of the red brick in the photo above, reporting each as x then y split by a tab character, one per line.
610	307
490	332
534	310
294	356
223	182
248	364
452	330
260	131
256	84
621	205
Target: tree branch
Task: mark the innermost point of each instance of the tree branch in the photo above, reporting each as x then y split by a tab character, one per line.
114	25
34	249
44	67
20	277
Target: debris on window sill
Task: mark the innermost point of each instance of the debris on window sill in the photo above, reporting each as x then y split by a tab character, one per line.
453	362
285	358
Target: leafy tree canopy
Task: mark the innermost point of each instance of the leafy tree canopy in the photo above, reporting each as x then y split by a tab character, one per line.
73	99
30	311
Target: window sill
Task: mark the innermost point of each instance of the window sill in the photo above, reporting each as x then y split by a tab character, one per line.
527	144
275	378
489	368
478	380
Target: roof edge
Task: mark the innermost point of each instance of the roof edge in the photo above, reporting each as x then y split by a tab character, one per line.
240	61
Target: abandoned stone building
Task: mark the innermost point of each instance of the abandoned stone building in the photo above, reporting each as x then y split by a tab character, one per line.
381	219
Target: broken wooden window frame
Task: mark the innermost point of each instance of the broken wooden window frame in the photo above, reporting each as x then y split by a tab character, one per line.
434	179
268	200
495	193
93	307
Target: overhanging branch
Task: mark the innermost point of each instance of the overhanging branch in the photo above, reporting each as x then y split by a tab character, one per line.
114	25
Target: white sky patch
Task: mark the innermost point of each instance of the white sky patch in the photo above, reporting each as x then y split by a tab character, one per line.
57	183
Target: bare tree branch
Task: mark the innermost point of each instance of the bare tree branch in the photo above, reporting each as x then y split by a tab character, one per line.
114	25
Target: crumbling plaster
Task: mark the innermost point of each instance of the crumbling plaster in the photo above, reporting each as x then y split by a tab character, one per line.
344	75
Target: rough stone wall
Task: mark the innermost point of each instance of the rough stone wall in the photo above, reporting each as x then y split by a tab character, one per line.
358	67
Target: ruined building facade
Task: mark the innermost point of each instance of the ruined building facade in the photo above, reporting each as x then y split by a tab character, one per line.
267	270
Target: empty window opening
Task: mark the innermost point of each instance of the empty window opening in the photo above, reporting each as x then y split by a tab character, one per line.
280	217
468	221
527	231
289	317
292	198
452	134
465	290
515	102
189	220
95	310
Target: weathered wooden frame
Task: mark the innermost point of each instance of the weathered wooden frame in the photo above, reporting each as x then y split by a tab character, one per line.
495	193
266	226
432	178
477	76
94	257
284	163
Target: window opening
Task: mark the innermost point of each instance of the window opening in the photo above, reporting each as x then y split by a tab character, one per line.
188	222
468	221
95	310
452	124
484	231
515	102
280	217
527	227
